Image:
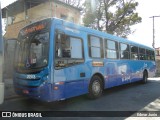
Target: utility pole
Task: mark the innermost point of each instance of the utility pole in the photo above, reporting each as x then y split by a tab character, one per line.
153	44
51	7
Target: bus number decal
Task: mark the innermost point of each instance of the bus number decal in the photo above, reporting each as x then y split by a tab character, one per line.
31	77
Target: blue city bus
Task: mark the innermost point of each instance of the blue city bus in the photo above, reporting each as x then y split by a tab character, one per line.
56	60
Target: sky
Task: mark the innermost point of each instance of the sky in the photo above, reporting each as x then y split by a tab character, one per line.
143	31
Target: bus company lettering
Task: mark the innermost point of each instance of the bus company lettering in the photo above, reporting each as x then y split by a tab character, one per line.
34	115
15	114
146	114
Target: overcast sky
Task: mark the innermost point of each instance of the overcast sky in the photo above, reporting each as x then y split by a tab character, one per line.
144	30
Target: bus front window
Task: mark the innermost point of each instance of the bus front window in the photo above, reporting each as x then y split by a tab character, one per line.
33	51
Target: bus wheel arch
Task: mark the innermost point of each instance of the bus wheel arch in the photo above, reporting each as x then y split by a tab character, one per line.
145	76
96	86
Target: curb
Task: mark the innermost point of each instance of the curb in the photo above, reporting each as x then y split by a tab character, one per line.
12	97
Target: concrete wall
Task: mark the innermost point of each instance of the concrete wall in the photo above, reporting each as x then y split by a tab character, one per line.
9	57
39	12
59	10
158	67
13	30
19	17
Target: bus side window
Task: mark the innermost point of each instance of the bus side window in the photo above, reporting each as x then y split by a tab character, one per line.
124	51
142	54
60	38
66	48
68	51
150	55
134	52
153	55
95	47
111	49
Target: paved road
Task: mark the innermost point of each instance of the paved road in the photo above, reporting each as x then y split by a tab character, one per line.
131	97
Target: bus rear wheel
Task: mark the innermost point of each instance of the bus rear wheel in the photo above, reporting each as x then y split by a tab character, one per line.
95	87
145	77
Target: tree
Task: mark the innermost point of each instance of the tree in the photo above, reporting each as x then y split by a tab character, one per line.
75	3
112	16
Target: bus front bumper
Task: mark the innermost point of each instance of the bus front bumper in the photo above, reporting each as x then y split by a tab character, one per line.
45	92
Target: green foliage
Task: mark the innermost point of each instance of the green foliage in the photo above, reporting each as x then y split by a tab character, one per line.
75	3
112	16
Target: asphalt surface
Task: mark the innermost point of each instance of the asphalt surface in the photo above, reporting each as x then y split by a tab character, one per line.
9	92
132	97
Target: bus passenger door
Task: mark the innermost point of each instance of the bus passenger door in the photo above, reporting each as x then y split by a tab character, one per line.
75	73
69	64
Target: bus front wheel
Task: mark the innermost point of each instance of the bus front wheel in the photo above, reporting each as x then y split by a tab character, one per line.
95	87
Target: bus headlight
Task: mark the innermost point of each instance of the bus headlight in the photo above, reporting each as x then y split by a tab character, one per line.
45	78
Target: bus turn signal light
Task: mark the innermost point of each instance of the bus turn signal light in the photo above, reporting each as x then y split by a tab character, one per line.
55	88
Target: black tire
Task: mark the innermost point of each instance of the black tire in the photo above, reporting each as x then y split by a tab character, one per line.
145	77
95	87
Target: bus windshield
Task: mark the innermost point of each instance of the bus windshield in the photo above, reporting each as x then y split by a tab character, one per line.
32	51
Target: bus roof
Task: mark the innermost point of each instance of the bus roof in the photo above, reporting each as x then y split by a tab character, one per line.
96	32
101	34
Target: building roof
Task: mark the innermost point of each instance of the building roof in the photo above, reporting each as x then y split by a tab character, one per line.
157	48
20	5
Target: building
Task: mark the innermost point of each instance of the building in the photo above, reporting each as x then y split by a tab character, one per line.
23	12
157	50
